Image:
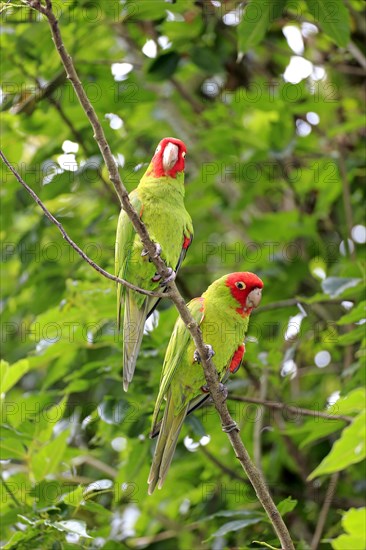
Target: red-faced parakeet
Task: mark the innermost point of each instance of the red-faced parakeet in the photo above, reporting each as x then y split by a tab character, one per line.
223	314
159	199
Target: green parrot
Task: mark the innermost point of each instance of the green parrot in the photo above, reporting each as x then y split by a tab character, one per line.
159	199
223	314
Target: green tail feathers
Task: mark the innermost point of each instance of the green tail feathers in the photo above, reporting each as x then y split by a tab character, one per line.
133	329
166	444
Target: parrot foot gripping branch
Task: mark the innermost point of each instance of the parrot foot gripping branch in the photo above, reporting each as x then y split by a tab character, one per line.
209	355
157	251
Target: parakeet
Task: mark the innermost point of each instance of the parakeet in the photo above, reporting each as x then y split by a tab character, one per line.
159	199
223	314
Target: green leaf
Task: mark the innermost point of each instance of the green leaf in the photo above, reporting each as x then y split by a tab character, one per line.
354	520
47	420
236	525
15	539
145	9
354	401
335	286
349	449
59	184
352	336
205	59
334	19
72	526
164	66
74	498
11	374
354	523
46	461
346	542
99	486
286	505
257	17
234	513
357	313
11	448
319	430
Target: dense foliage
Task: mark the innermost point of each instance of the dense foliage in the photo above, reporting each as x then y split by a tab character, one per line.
268	98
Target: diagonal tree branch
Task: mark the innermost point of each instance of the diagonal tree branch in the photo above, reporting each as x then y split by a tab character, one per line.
210	372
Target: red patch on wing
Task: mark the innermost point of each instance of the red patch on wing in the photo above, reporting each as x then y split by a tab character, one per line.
237	359
187	241
199	299
157	160
141	211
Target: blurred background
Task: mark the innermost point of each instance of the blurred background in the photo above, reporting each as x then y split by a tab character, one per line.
269	99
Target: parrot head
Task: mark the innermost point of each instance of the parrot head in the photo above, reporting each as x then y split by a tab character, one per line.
246	288
169	157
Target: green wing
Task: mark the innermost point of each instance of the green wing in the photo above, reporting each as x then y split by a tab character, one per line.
196	402
177	347
123	251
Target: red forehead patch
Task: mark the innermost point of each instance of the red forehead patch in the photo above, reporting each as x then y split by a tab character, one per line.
251	280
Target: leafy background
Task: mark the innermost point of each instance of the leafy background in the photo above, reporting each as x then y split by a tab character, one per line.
274	176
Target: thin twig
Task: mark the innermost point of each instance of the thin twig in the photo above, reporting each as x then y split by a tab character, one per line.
357	54
229	471
292	409
97	464
196	106
210	371
324	511
71	242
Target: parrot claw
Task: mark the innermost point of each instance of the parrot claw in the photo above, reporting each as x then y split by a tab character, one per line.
230	428
209	354
223	389
170	278
157	251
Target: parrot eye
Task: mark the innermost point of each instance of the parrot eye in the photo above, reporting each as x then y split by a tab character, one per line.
184	154
157	149
240	285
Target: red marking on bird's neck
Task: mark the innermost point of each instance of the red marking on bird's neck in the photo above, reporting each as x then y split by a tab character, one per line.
157	160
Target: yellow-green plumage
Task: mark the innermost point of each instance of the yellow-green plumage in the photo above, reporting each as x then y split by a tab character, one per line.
223	327
160	204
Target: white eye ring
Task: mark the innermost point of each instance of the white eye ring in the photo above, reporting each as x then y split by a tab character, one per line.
157	149
240	285
184	154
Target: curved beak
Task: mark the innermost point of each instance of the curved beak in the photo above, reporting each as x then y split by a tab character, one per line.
254	297
170	156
